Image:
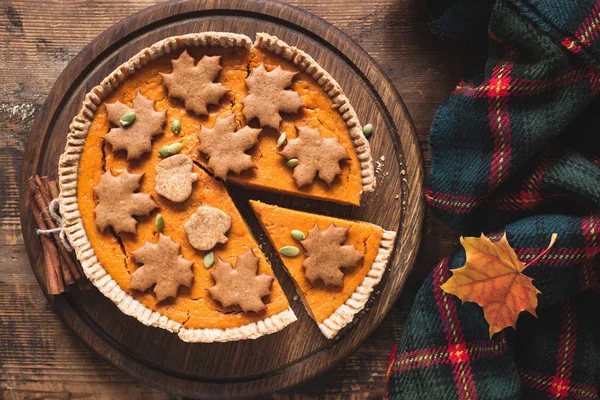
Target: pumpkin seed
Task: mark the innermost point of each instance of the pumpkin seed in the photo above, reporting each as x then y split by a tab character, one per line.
176	126
175	148
209	259
298	235
164	151
159	222
368	129
292	162
289	251
281	139
127	118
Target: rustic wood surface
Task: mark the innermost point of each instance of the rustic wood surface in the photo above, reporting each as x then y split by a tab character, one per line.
38	357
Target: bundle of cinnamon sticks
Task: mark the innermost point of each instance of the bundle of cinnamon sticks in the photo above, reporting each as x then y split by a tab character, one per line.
62	270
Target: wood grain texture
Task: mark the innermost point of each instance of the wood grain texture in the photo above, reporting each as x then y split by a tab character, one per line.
38	40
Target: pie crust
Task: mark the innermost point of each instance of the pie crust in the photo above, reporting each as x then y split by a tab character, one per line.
358	300
73	223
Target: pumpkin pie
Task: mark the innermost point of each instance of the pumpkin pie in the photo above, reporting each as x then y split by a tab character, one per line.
335	263
146	161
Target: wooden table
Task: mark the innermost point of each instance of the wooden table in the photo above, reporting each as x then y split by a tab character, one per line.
39	357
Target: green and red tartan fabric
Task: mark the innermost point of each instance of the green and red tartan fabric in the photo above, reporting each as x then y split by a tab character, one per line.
517	149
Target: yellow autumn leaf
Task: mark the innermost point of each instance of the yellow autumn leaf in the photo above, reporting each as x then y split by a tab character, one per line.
492	277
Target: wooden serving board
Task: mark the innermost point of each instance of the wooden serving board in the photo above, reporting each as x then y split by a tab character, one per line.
299	352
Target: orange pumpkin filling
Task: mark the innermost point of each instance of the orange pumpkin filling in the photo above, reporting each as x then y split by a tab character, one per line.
194	307
320	300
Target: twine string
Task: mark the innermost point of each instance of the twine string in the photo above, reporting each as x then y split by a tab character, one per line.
55	215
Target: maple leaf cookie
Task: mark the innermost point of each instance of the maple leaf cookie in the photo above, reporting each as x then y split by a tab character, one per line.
135	127
194	84
225	147
315	154
326	255
267	96
163	267
240	286
117	203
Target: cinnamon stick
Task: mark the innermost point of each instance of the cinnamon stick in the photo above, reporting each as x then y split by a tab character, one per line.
47	195
42	197
54	279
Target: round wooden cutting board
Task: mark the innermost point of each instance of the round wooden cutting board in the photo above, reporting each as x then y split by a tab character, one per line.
299	352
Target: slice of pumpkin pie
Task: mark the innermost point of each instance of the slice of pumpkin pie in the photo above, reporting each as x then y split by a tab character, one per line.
335	263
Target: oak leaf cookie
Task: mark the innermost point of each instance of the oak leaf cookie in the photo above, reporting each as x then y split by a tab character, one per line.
135	127
267	96
315	154
194	84
162	267
325	255
117	203
174	178
225	148
207	227
240	286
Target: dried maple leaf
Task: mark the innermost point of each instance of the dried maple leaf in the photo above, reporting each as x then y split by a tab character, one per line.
492	277
194	84
225	148
325	255
315	154
267	96
162	267
240	285
136	137
117	203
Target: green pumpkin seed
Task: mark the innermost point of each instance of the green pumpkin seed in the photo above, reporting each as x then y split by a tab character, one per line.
281	139
292	162
298	235
368	129
176	126
164	151
289	251
209	259
159	222
175	148
127	118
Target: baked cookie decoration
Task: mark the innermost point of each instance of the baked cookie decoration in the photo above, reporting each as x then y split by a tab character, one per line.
175	177
267	96
162	267
134	127
314	154
326	255
240	286
207	227
194	83
118	203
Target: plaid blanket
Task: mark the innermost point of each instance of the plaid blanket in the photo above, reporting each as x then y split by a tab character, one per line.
516	149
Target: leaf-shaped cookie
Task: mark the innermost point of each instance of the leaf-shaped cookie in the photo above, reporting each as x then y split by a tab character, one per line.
267	96
326	255
225	148
117	203
240	286
135	137
162	267
315	154
194	84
